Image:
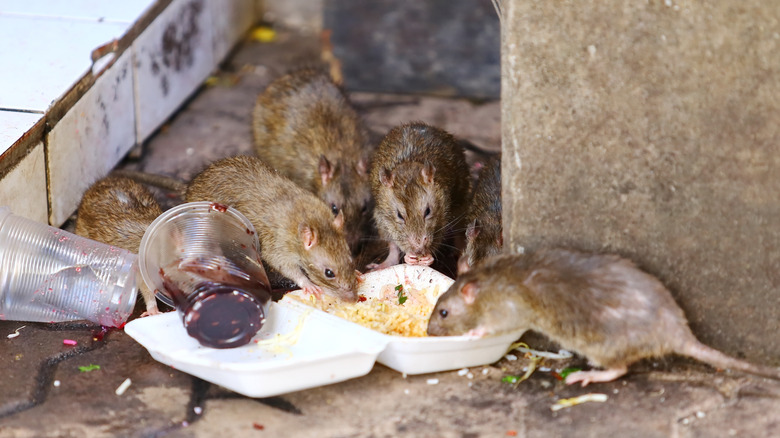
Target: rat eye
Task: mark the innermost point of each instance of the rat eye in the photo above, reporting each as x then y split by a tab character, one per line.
443	313
427	212
329	273
400	216
334	209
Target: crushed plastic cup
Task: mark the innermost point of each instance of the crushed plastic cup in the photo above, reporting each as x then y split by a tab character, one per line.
202	258
50	275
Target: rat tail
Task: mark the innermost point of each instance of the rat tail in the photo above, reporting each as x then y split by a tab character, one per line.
161	181
699	351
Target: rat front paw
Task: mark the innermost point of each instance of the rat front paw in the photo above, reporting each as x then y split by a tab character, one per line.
412	259
313	290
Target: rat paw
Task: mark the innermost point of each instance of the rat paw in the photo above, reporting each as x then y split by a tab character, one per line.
316	291
412	259
595	376
151	312
377	266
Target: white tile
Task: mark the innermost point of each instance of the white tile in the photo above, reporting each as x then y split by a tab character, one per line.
13	125
23	189
126	11
91	138
230	21
173	56
42	58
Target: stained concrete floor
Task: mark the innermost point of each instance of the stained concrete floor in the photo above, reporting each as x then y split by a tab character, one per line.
668	397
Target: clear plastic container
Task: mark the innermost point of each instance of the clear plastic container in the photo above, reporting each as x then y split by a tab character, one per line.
202	258
50	275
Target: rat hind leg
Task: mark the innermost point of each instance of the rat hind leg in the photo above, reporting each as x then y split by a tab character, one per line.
586	377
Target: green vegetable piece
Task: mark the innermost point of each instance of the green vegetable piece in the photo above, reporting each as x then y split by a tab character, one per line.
88	368
566	371
402	298
400	287
510	379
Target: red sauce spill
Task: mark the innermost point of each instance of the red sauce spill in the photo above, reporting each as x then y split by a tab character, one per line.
362	298
250	232
219	207
258	426
98	335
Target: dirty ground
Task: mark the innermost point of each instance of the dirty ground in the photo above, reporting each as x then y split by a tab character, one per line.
43	393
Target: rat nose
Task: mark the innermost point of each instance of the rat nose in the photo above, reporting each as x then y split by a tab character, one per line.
419	243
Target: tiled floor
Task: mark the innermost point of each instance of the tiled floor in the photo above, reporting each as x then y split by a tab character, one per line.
52	43
100	114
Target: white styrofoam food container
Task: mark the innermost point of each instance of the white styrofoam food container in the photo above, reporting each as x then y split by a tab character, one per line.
329	349
429	354
326	351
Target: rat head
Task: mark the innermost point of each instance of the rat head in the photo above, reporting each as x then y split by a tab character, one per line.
478	303
411	209
345	189
482	240
325	258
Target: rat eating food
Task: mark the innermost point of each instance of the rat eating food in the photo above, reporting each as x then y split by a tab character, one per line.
601	306
420	181
299	236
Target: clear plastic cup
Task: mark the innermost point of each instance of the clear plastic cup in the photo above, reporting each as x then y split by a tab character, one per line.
202	258
50	275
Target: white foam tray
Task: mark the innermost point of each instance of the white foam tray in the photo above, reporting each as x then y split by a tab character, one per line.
329	349
431	354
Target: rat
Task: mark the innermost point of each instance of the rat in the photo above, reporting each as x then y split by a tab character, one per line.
599	305
117	211
305	127
484	233
299	236
420	182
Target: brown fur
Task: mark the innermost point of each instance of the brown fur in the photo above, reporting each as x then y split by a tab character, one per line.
305	127
415	168
299	237
484	230
117	211
601	306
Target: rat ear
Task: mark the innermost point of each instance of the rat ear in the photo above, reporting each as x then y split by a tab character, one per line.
427	172
338	221
472	230
469	292
326	170
386	177
362	166
308	236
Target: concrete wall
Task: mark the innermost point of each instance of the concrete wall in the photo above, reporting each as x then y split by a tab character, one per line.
652	129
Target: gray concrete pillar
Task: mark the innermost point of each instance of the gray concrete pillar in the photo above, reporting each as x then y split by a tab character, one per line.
652	129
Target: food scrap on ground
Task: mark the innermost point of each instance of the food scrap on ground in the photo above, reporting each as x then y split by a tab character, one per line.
573	401
565	372
88	368
123	387
15	333
263	34
69	342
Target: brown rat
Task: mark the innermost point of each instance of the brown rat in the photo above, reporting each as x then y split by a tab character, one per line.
305	127
420	182
484	236
601	306
117	211
299	236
